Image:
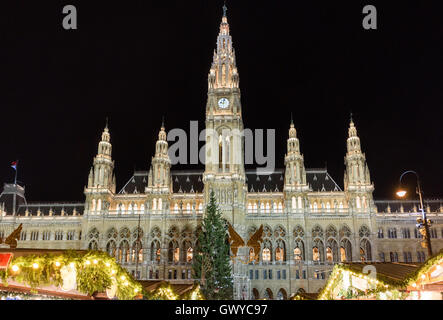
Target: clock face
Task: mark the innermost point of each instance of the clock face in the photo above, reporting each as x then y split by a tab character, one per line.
223	103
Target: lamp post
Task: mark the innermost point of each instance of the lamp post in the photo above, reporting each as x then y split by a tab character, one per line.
402	192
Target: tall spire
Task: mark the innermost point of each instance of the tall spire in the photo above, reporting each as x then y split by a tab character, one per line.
224	73
357	171
101	174
292	130
162	137
159	173
353	139
295	173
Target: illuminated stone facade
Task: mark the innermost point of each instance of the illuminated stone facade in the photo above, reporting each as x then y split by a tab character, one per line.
309	222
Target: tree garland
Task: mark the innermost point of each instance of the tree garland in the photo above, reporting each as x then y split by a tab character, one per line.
193	294
6	295
96	271
163	292
414	277
166	292
382	282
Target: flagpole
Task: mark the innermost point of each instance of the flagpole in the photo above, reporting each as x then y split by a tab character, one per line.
137	246
15	179
15	191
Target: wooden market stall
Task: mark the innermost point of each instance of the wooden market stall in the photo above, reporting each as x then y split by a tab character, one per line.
164	290
58	274
386	281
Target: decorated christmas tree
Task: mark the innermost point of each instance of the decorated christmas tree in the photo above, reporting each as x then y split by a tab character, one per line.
212	262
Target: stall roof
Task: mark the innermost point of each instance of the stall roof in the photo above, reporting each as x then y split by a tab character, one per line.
152	285
396	271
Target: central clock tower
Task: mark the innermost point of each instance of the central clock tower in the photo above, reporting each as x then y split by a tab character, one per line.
224	167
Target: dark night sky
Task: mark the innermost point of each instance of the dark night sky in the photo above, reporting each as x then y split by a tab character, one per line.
137	60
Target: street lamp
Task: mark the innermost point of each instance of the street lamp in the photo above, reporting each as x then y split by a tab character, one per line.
402	192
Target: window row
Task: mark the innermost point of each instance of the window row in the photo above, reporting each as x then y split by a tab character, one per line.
124	253
185	274
297	203
175	253
267	274
407	256
46	235
156	206
332	252
406	233
265	207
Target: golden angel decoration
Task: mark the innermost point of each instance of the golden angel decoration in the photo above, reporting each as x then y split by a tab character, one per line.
253	243
11	240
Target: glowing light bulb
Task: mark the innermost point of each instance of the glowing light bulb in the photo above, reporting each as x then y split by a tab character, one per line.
136	290
401	193
423	276
414	285
95	261
15	268
123	278
126	283
112	271
72	265
35	265
108	264
57	264
88	262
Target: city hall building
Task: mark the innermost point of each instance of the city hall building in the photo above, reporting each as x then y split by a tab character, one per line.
309	221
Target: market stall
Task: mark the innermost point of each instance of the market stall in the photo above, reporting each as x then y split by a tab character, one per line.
386	281
81	275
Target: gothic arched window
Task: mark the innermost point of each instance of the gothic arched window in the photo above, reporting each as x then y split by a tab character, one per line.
93	245
267	251
329	255
346	250
111	248
123	254
365	250
228	155
298	254
220	152
364	232
155	251
315	254
189	255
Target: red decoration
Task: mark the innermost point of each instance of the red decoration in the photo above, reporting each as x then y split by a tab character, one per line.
5	258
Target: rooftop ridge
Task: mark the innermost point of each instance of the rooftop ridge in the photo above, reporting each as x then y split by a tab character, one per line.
35	204
406	201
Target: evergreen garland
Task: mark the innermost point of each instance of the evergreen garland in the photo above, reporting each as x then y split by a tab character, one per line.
384	283
95	271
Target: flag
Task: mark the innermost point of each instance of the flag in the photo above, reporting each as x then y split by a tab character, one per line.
14	165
